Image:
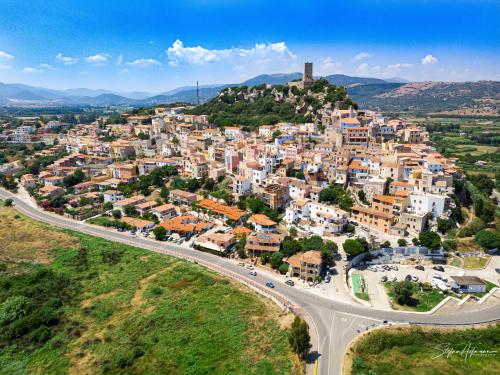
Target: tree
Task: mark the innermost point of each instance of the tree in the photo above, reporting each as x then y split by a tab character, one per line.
160	233
130	210
331	247
299	337
276	259
143	136
362	196
283	269
264	257
402	242
430	239
117	214
8	202
164	193
290	246
313	242
209	184
443	225
353	247
108	206
240	247
483	183
255	205
386	244
192	185
488	239
276	134
403	291
73	179
293	232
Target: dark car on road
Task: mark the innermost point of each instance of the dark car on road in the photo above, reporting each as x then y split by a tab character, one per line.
438	268
289	282
270	285
421	268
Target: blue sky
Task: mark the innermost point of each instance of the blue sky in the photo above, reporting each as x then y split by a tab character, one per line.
159	45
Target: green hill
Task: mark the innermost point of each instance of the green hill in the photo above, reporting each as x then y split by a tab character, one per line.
263	104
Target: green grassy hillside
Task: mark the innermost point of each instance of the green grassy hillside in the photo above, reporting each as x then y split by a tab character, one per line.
77	304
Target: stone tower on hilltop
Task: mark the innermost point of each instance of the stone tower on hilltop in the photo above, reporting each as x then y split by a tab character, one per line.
307	78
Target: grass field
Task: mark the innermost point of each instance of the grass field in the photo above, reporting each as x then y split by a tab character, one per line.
77	304
417	351
473	263
425	300
356	285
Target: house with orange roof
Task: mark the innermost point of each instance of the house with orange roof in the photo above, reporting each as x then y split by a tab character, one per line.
223	210
132	201
263	224
185	225
372	218
181	196
165	211
257	243
51	191
140	224
241	232
306	266
220	242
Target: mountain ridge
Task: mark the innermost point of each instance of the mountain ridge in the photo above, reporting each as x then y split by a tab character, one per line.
372	93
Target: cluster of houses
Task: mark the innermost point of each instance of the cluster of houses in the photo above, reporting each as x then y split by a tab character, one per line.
405	182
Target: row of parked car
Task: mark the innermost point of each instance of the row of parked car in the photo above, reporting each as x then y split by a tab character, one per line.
383	267
394	279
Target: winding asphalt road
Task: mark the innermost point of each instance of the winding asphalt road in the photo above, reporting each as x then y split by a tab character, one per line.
335	323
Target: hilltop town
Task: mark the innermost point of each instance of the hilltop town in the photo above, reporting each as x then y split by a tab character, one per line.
294	183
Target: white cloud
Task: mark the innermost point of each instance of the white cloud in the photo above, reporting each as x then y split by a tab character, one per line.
362	69
151	42
362	56
5	56
429	60
84	72
179	55
399	66
46	67
145	63
98	59
66	60
124	71
327	66
32	70
119	60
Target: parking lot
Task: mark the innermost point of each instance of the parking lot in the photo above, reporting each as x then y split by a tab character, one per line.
374	275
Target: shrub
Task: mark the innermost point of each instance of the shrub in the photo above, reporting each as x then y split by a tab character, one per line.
487	239
475	226
40	335
14	308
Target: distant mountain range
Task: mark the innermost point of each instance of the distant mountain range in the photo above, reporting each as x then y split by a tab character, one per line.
393	94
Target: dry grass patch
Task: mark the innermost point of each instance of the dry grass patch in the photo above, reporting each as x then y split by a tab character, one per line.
474	263
23	240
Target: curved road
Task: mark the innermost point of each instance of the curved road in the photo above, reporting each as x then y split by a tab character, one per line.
335	323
